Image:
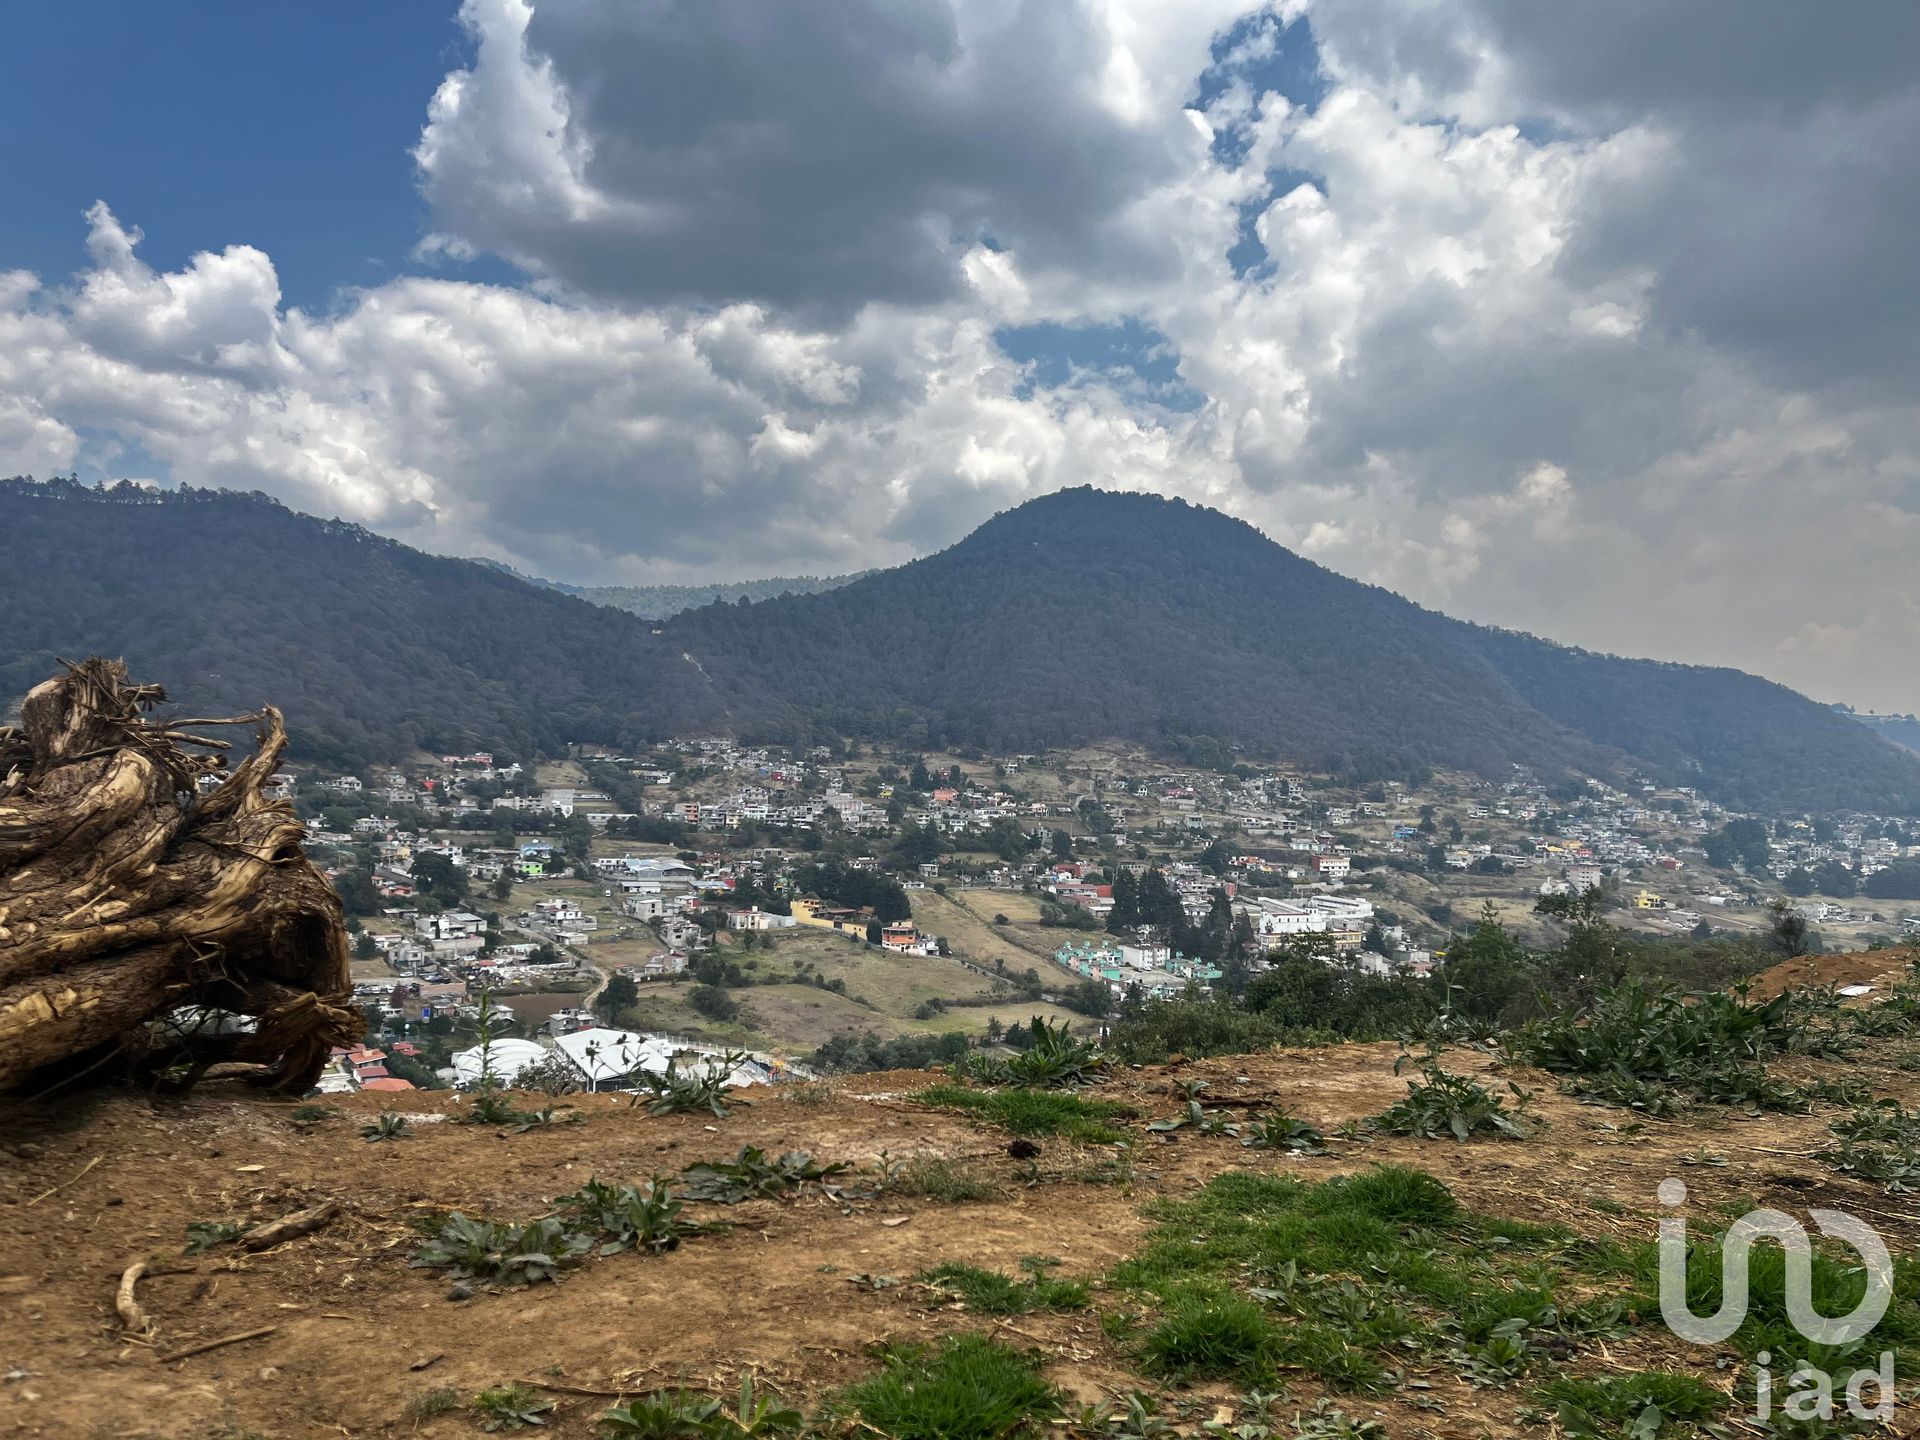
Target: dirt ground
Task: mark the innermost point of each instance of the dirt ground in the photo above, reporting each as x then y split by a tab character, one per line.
357	1335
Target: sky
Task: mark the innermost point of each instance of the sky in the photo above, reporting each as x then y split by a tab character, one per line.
1595	321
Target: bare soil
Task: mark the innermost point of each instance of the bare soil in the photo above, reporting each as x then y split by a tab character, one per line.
93	1185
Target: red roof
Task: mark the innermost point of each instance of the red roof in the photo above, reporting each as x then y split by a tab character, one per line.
387	1082
371	1072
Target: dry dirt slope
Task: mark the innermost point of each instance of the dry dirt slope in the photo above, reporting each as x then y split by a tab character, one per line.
359	1336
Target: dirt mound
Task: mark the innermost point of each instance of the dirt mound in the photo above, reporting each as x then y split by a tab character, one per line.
1878	968
352	1340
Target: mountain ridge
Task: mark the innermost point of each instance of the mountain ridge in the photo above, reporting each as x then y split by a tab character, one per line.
1081	615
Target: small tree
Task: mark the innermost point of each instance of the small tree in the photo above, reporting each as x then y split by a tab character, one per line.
618	996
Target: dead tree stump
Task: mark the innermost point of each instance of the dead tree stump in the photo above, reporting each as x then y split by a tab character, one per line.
141	916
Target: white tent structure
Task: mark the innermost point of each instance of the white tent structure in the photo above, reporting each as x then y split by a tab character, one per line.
506	1058
606	1058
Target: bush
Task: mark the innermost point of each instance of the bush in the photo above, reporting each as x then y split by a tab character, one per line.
714	1003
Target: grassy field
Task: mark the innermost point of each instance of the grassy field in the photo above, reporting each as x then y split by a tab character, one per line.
965	918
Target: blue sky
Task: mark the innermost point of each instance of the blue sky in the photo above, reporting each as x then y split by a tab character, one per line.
281	125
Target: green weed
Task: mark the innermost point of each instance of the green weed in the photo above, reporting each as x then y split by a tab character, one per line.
989	1292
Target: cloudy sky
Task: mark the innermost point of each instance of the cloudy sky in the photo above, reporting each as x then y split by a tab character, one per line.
1597	321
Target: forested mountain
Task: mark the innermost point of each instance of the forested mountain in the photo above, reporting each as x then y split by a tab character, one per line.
369	647
1079	616
1087	614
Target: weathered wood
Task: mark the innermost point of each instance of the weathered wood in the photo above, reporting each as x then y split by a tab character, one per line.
127	894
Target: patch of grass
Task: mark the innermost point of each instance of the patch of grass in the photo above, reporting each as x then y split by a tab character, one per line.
1838	1285
1364	1268
966	1388
939	1179
1032	1112
1647	1401
1211	1333
429	1403
811	1092
989	1292
311	1114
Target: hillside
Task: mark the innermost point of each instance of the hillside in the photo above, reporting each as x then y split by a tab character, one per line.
1183	1265
1080	616
1088	614
369	647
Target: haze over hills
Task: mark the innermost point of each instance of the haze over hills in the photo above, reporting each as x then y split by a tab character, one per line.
661	602
1079	616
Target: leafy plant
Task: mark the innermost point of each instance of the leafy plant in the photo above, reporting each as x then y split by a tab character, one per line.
304	1115
390	1126
1878	1142
630	1217
1638	1406
525	1120
1053	1060
502	1254
1442	1103
510	1407
1649	1047
490	1106
1327	1421
690	1415
704	1087
966	1388
203	1235
752	1174
1135	1416
1282	1130
1203	1121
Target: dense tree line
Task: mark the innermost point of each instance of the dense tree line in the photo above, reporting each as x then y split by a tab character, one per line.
839	883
